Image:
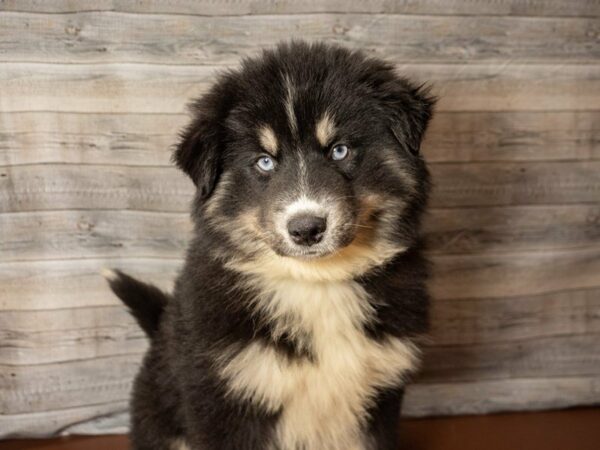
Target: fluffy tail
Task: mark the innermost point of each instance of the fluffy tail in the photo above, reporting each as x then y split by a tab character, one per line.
145	302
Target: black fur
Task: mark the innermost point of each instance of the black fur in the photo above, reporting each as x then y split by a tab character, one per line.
144	301
179	392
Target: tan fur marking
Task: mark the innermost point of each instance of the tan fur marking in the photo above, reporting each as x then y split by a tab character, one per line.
256	373
325	129
290	98
109	274
394	163
267	139
244	232
219	194
324	404
179	444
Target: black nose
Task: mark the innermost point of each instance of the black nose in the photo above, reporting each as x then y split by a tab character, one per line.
306	230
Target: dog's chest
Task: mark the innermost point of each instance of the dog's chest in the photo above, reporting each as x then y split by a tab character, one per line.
324	402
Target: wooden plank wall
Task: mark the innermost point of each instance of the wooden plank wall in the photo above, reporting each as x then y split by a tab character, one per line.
92	94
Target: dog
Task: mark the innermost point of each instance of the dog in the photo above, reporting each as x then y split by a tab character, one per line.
297	318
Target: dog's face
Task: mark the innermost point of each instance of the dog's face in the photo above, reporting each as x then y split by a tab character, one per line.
310	154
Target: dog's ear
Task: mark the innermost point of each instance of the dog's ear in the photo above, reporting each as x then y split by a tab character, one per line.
198	154
200	150
410	109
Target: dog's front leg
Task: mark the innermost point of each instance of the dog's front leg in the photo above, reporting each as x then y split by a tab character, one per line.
384	420
216	421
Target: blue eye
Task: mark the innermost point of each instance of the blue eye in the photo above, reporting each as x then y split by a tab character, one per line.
339	152
265	163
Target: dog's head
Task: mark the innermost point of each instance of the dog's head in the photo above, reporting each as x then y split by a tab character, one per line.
307	161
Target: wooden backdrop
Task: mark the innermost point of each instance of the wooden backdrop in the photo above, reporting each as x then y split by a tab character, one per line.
92	94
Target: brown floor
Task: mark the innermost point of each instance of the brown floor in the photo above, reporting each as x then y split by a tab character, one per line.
560	430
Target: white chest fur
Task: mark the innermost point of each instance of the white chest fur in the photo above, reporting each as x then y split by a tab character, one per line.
324	403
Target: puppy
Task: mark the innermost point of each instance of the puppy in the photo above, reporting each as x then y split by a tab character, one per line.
296	318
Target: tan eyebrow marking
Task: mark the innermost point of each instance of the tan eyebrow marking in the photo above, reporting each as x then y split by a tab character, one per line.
290	97
325	129
267	139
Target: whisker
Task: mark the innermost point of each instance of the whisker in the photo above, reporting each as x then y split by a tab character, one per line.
362	226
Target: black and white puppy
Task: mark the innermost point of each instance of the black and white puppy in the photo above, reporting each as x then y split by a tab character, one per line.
296	318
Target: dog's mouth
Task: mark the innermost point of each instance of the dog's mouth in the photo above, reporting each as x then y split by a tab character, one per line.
307	255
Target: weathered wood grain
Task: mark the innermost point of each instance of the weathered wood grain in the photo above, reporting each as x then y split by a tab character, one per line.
513	136
59	235
55	186
487	320
116	422
568	355
31	337
72	186
101	88
586	8
517	394
128	139
185	39
43	387
517	274
74	283
91	233
126	88
512	228
492	184
53	422
510	86
147	139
